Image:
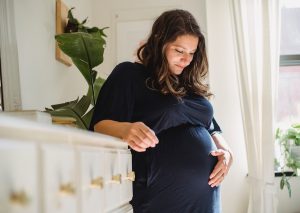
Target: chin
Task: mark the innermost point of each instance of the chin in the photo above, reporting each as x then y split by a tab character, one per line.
176	71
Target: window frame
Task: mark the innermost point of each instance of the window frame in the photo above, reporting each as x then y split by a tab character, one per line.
289	60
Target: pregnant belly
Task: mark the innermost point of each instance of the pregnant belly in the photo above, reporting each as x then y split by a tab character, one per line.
182	157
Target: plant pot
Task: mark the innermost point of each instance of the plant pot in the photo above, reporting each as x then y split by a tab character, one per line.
66	121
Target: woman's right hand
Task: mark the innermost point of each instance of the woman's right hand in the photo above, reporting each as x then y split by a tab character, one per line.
139	136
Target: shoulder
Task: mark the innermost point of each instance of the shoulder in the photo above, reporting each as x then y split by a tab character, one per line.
125	65
126	73
127	69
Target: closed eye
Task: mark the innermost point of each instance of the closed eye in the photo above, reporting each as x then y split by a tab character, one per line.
179	51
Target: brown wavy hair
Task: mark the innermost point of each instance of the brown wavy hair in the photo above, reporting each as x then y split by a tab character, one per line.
166	28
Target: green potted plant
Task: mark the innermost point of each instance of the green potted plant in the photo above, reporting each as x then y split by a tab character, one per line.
289	141
85	46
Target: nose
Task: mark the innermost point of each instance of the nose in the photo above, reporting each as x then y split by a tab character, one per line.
186	58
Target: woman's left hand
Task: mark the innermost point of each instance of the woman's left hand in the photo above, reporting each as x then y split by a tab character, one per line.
222	167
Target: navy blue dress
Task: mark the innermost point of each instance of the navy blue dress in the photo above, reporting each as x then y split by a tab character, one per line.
173	176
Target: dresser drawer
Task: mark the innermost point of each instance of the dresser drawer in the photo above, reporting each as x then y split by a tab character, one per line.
60	179
19	177
112	180
128	176
91	179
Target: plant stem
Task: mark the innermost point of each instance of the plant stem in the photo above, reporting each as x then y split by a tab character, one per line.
90	70
93	91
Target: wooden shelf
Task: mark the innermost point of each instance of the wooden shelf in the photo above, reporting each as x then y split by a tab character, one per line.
61	22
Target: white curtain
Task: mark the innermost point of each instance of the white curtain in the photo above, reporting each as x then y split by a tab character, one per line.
9	57
256	27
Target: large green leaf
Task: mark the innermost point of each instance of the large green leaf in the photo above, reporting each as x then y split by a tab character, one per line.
84	69
97	86
75	109
88	116
69	103
82	106
69	112
86	50
98	36
83	46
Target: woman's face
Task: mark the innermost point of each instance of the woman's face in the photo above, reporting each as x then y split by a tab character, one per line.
180	52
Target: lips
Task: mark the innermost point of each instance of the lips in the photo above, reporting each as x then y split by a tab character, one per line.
182	67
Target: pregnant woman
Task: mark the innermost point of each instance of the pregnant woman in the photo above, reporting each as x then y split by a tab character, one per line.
159	106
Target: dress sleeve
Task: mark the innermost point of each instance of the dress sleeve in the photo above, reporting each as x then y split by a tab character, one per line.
116	97
214	127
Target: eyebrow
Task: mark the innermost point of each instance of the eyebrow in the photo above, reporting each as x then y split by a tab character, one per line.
176	45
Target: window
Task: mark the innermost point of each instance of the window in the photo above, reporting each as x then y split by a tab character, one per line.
288	105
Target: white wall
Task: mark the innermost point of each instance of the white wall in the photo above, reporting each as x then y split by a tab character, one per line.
45	81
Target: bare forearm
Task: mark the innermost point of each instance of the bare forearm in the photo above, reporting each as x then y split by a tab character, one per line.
224	156
112	128
221	143
137	134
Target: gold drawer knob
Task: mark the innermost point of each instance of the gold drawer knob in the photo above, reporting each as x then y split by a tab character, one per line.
116	178
97	183
19	198
67	189
130	176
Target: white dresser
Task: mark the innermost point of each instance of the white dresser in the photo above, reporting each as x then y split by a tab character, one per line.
46	168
